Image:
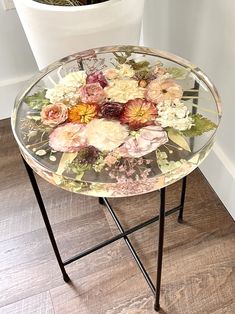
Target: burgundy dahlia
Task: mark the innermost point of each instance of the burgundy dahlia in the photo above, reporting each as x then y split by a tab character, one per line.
111	110
87	155
97	77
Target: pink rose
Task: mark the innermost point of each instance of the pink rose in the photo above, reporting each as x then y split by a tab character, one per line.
92	93
69	137
158	91
54	114
97	77
147	140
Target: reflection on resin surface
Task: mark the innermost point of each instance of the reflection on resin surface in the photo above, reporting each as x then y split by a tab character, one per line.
116	121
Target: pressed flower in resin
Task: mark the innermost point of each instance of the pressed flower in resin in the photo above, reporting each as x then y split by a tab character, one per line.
97	77
106	135
111	110
83	113
69	137
92	93
54	114
159	91
138	113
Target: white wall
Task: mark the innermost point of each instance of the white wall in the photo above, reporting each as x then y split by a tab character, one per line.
16	60
204	33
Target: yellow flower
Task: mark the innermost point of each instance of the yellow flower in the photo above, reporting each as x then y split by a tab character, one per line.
83	113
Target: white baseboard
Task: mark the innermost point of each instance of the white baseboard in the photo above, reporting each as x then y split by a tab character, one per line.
220	173
8	91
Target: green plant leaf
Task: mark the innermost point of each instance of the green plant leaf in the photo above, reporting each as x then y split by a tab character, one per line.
178	73
37	100
178	139
65	160
201	125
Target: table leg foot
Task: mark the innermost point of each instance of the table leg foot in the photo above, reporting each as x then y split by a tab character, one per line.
180	220
101	201
157	307
66	278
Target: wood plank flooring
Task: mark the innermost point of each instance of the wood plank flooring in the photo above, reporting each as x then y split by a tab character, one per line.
199	255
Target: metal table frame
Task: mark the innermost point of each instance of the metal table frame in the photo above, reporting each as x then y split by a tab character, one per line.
122	235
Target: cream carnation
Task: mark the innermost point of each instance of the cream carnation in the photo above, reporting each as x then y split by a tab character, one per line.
74	79
124	90
106	135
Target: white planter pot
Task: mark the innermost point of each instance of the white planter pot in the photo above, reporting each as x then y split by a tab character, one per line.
54	32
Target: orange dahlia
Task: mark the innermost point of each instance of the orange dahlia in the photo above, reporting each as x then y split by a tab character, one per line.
139	113
82	113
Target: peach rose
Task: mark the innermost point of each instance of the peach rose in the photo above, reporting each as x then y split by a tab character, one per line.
54	114
69	137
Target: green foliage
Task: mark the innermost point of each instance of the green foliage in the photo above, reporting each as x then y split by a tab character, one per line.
201	125
178	139
178	73
37	100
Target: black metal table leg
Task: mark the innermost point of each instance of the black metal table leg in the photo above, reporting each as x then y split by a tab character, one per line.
123	233
46	220
182	200
160	248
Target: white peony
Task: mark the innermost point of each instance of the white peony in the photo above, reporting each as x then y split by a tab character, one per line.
106	135
124	90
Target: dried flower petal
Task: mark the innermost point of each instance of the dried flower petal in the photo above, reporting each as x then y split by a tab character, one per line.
111	110
147	140
69	137
83	113
92	93
97	77
159	91
54	114
138	113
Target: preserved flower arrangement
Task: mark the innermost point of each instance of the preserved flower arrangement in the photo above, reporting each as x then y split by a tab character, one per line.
114	128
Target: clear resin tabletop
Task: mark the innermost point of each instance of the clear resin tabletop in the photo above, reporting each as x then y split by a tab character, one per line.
116	121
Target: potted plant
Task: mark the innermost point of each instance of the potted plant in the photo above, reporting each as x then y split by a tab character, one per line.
57	28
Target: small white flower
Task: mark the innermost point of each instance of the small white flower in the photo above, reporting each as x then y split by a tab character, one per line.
74	79
175	115
125	70
67	87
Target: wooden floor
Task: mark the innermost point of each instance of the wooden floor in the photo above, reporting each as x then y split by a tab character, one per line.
199	255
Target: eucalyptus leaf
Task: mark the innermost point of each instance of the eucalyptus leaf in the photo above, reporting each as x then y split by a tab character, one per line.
65	160
178	139
37	100
178	73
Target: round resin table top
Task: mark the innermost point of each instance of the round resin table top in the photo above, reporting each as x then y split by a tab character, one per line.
116	121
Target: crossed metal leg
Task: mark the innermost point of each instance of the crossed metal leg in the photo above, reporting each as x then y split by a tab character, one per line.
123	234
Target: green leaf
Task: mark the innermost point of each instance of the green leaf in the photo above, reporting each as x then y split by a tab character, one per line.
65	160
178	73
37	100
139	65
201	125
178	139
